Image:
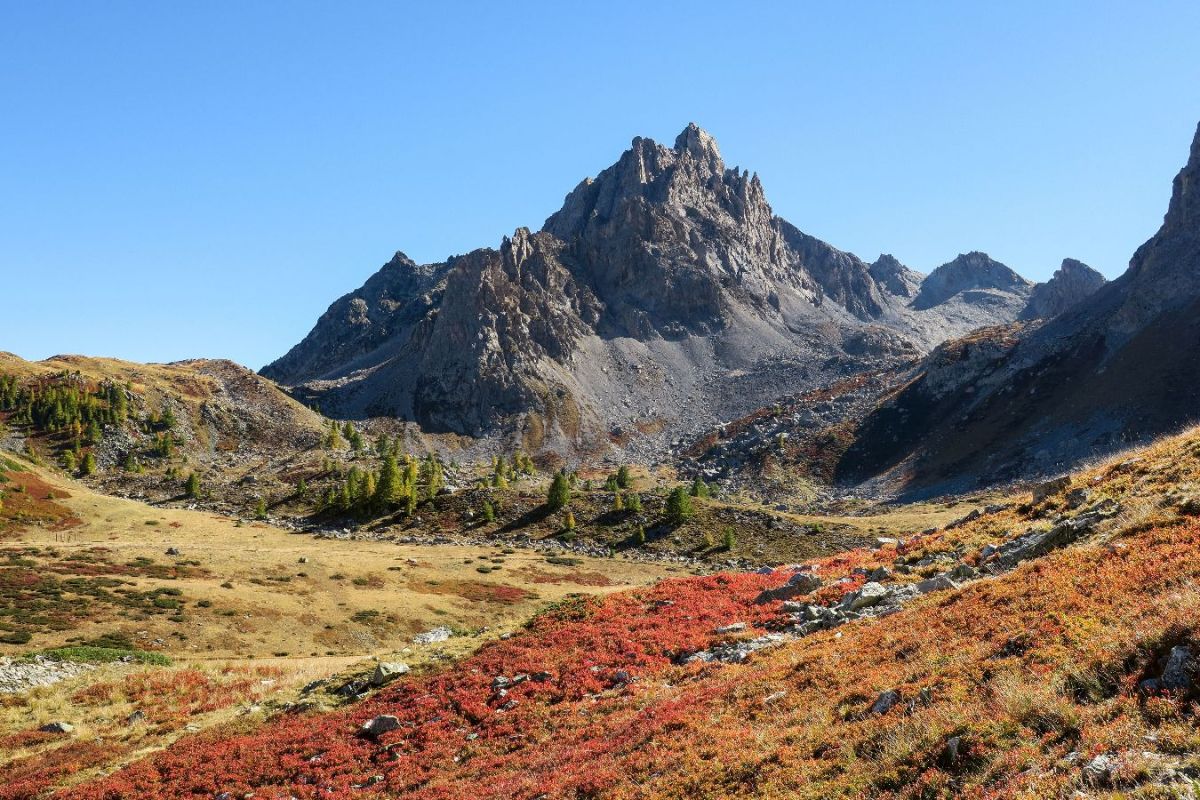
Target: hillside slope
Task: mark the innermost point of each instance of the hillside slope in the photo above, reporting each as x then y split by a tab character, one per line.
1113	371
140	625
1031	649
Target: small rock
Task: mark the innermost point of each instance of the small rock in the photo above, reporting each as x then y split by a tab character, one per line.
57	727
885	702
380	725
1100	769
387	671
880	574
439	634
1077	497
172	551
950	753
1050	488
937	583
736	627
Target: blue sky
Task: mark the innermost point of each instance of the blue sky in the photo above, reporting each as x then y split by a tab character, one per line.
204	179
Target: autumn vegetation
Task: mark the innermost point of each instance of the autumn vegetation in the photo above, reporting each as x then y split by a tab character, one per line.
1006	687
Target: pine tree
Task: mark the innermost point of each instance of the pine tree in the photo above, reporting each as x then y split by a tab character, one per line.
570	521
260	510
89	464
634	502
639	536
69	462
302	489
489	512
679	505
560	492
387	488
624	479
618	502
431	474
333	437
728	539
699	487
192	487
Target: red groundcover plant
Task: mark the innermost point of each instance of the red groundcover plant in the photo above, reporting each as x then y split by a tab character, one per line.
587	652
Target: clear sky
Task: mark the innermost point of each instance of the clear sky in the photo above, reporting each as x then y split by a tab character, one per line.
181	180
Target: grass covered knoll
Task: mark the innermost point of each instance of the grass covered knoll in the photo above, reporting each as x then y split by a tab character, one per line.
1022	685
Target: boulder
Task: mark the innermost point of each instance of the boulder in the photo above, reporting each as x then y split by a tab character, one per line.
798	584
1176	675
869	595
387	671
937	583
380	725
57	727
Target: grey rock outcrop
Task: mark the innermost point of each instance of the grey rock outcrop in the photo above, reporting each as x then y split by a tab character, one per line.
1070	285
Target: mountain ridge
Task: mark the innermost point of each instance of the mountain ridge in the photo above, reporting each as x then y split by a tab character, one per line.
666	268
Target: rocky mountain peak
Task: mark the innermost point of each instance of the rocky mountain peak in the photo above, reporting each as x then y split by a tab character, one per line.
1071	283
666	263
699	144
974	271
1185	194
899	279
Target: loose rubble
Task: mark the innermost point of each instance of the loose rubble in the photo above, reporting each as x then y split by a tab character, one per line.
22	674
876	598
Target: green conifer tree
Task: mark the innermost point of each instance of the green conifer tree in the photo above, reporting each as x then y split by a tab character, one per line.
560	492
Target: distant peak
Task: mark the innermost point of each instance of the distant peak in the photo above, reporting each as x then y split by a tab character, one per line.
697	141
1072	265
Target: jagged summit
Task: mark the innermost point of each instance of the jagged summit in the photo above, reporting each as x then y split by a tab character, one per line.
664	294
1071	284
698	143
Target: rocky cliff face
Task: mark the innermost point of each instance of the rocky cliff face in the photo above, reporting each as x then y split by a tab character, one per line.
1071	284
1100	375
663	296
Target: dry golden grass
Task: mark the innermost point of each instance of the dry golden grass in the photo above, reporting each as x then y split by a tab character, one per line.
263	612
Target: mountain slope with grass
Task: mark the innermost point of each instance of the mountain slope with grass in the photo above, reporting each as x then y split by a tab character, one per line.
1037	647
